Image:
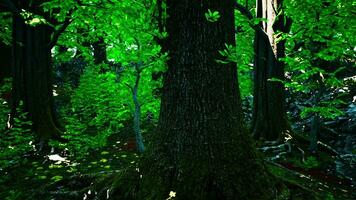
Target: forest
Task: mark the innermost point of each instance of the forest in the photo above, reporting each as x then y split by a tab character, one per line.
177	100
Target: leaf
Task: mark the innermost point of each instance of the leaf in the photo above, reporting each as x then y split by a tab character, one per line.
56	178
212	16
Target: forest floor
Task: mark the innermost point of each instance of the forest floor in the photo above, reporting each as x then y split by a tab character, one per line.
58	177
329	174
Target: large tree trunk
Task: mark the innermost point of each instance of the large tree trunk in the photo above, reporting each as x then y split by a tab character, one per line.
201	149
270	120
32	82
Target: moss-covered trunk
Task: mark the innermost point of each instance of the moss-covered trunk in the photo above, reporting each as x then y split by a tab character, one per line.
32	82
270	120
201	149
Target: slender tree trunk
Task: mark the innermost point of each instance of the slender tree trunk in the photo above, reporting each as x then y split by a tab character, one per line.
270	120
201	149
137	112
32	82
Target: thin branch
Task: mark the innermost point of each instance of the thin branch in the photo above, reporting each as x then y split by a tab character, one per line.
130	87
244	11
61	29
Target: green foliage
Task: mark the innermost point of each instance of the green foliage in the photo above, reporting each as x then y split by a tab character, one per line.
243	57
14	195
103	102
16	140
309	163
212	16
5	33
4	105
329	196
94	113
32	19
319	47
245	51
327	112
242	53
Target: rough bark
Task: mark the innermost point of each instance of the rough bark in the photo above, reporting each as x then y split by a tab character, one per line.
201	149
270	120
32	70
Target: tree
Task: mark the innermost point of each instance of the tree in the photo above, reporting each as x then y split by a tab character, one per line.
270	120
32	40
201	149
320	53
137	107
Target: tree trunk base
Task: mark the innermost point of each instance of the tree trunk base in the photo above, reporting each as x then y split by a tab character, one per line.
219	179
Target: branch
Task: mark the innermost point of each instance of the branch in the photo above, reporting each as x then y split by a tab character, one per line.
130	87
63	27
244	11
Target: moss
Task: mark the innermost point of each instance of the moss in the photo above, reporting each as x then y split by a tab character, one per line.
156	177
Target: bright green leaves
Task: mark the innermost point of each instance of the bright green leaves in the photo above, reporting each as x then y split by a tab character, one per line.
319	47
233	54
15	140
32	19
326	111
56	178
257	20
229	53
212	16
245	51
5	33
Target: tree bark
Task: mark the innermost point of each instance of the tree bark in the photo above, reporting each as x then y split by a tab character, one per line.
137	111
32	70
270	121
201	149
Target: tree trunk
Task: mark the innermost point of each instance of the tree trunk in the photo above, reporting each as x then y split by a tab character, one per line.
137	112
100	51
201	149
32	82
270	120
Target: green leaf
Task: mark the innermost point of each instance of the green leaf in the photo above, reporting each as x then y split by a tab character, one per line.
212	16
